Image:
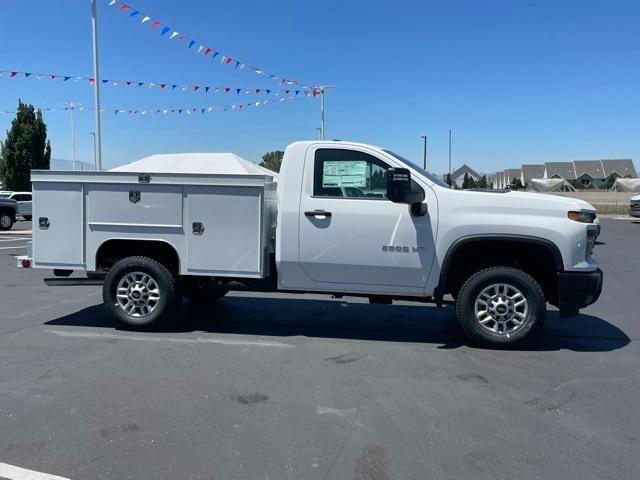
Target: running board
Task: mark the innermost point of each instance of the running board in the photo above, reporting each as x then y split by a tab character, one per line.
70	281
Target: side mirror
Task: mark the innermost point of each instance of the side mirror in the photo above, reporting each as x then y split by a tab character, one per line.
400	188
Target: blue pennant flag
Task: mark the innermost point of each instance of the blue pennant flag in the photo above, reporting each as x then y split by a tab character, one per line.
173	87
105	81
27	74
192	43
215	54
207	89
66	78
237	64
140	84
134	13
238	90
164	30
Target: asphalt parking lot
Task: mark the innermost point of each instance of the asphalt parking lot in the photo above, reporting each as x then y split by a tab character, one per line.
284	387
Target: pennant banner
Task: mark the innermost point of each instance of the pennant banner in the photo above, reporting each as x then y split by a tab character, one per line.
162	111
202	49
168	86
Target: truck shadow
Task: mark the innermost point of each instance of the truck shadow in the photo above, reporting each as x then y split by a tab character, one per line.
283	317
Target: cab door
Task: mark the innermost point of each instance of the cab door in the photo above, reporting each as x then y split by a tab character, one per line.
350	233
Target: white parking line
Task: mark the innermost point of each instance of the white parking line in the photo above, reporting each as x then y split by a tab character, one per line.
222	341
9	248
2	239
17	473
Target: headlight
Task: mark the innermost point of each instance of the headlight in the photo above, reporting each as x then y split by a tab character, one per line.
582	217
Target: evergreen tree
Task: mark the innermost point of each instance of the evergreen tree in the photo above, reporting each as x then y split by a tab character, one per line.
482	183
468	181
611	179
448	179
516	184
272	160
26	147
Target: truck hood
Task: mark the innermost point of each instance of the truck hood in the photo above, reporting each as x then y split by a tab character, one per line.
526	202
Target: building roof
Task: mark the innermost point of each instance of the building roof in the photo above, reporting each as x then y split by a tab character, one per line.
532	171
560	169
593	168
465	169
511	173
622	167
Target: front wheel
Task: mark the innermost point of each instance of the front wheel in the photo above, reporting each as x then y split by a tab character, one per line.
140	292
500	307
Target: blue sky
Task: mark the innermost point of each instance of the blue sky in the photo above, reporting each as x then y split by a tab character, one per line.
517	81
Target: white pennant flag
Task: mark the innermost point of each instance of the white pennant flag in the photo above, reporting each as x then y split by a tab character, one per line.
145	19
173	35
112	2
200	48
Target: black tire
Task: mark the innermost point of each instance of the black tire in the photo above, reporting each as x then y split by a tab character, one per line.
531	314
27	217
163	282
6	221
202	290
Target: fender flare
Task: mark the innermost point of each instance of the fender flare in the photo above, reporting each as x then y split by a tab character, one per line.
453	248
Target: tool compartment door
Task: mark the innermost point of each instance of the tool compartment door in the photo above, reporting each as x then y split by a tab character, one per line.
58	225
224	230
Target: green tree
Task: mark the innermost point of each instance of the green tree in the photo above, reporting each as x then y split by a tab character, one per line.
448	179
482	183
26	147
468	181
611	179
516	184
272	160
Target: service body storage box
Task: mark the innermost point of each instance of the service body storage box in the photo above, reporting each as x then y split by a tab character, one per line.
218	224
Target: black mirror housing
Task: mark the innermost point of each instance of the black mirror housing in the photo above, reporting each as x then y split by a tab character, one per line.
400	187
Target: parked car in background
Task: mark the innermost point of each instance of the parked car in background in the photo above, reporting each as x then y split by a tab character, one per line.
8	211
23	200
634	206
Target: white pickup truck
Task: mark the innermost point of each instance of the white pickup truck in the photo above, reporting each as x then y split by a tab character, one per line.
341	218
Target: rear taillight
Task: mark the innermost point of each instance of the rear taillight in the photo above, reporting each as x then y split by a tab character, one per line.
26	263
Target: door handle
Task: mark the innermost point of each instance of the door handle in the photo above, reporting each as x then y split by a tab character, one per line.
318	213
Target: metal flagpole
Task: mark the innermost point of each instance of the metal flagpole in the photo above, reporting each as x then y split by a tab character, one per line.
96	84
321	113
449	152
72	107
424	137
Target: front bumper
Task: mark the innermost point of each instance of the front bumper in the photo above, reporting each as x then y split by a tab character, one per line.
634	212
577	290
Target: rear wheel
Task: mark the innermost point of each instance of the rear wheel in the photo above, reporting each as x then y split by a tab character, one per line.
6	221
500	307
140	292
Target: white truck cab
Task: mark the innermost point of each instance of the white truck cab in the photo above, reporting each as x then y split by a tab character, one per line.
341	218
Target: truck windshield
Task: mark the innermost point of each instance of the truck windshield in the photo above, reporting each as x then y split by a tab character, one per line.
420	170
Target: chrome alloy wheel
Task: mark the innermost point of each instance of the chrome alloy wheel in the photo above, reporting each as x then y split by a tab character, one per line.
138	294
501	309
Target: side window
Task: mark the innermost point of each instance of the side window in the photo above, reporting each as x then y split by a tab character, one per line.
27	197
348	173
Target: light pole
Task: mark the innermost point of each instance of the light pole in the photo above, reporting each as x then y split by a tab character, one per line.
96	84
71	107
449	152
319	130
93	134
424	137
321	113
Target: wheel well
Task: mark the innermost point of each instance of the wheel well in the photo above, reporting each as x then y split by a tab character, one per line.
537	259
8	210
112	251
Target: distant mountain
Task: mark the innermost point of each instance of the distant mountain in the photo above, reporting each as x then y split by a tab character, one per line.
61	164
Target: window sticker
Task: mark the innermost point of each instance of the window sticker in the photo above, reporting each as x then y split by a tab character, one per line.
344	174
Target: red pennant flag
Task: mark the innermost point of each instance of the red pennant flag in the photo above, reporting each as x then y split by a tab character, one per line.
128	82
229	60
162	85
227	89
196	88
155	24
287	91
124	6
258	90
207	51
53	77
13	74
91	81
